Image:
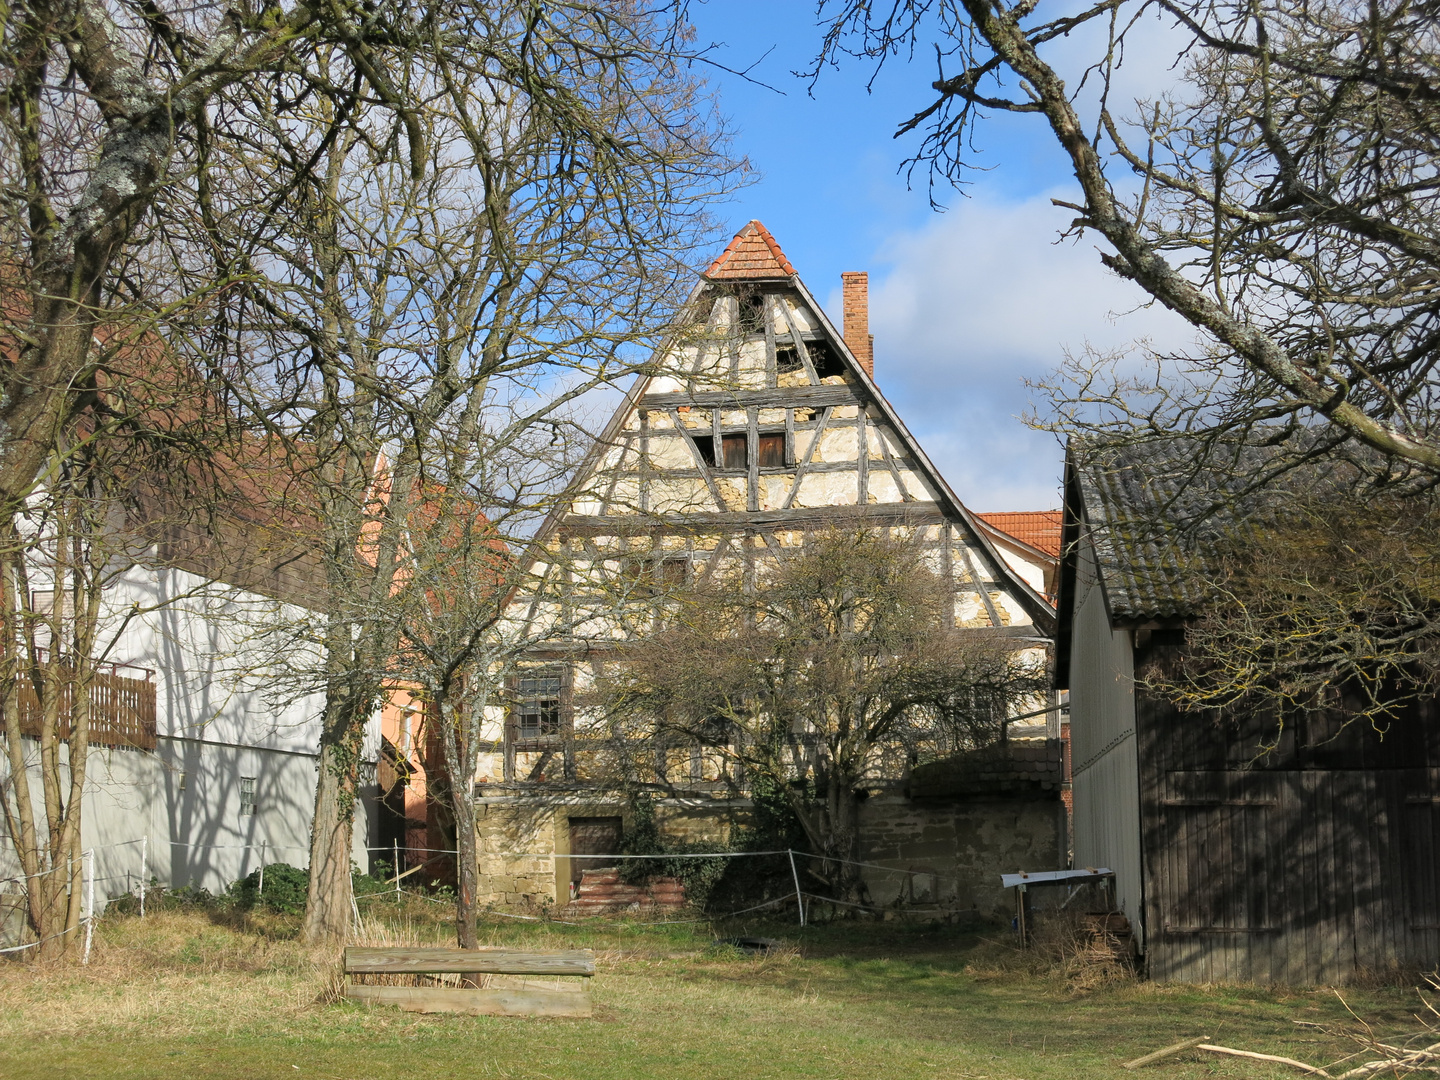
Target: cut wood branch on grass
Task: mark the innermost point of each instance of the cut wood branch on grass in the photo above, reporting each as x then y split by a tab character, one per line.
1169	1051
1415	1060
1313	1070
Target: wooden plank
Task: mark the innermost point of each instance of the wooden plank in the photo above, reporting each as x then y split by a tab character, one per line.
399	961
439	999
779	397
799	343
805	464
1311	902
818	517
862	447
767	313
980	588
644	462
698	459
1339	946
752	459
891	464
1296	945
1158	1055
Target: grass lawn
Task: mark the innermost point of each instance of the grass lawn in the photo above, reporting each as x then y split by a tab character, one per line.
185	993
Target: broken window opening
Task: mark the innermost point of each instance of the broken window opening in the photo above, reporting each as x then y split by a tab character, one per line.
787	359
706	445
752	313
772	450
674	570
826	360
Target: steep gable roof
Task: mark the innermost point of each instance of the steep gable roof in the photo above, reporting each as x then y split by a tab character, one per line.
753	255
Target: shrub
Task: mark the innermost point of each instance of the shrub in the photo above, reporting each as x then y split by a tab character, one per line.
285	889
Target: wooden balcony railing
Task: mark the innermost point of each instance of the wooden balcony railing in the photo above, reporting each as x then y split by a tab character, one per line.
122	711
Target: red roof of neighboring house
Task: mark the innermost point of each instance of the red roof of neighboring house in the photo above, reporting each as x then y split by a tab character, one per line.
1038	528
752	255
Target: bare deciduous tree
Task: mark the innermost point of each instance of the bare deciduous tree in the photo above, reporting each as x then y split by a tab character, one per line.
836	670
1281	198
420	319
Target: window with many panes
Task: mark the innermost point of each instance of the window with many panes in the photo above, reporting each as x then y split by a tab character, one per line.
247	796
539	705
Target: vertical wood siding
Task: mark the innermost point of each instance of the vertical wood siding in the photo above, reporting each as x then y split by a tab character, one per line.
1102	745
1290	868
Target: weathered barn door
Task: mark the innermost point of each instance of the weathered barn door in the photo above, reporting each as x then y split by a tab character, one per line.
592	836
1220	864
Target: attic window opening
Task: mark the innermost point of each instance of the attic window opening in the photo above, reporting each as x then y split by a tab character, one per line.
824	358
752	313
787	359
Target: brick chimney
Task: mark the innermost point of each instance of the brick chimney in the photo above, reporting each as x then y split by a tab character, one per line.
855	292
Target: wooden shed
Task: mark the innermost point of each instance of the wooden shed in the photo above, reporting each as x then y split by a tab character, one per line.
1314	863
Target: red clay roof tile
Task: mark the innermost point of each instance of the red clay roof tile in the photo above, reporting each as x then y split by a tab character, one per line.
752	255
1038	528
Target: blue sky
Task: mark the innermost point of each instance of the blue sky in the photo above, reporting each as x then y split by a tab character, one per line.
966	304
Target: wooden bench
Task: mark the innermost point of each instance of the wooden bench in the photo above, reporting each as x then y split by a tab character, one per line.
503	1001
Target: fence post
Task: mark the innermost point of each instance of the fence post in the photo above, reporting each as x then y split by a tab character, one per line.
395	865
799	896
144	851
89	902
261	890
355	908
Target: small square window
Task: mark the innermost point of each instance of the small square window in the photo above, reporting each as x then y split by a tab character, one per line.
247	796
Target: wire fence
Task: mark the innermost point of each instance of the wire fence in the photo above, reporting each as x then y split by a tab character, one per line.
800	897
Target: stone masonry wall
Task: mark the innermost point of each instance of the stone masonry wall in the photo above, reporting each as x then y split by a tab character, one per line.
957	850
539	832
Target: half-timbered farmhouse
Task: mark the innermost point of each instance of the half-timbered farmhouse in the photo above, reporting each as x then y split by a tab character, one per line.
1238	857
759	424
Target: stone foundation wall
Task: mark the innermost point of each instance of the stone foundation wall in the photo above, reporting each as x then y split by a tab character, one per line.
540	832
957	850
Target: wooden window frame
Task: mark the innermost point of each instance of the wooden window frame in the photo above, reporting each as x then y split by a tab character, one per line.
561	740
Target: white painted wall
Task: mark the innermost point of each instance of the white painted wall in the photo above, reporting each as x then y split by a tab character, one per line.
231	702
1106	780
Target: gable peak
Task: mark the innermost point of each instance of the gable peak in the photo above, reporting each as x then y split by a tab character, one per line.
753	255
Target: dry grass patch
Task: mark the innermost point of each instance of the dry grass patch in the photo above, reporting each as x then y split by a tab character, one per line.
194	994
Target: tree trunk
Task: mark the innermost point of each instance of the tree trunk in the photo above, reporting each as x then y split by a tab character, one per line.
461	773
467	872
327	902
844	840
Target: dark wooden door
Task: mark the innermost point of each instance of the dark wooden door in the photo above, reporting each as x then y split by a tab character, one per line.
592	836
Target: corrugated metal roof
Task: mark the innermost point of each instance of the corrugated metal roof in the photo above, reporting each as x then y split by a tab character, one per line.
1038	528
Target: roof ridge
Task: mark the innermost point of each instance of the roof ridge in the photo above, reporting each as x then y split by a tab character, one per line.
752	253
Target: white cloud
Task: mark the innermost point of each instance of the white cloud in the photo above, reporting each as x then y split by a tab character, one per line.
974	303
